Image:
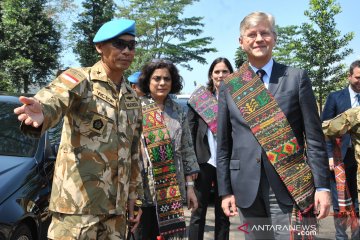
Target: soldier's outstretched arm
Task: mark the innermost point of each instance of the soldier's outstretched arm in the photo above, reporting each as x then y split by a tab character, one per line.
341	124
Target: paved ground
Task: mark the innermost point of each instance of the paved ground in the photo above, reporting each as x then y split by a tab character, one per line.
326	230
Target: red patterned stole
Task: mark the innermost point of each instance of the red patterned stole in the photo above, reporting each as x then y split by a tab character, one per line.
206	105
346	206
273	131
169	205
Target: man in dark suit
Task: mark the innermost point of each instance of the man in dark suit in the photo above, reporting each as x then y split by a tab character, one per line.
248	172
337	103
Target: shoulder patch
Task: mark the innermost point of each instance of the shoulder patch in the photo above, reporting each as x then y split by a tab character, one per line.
72	77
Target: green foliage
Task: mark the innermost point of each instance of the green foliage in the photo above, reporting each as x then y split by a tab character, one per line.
163	33
321	48
240	57
29	47
5	84
95	14
285	49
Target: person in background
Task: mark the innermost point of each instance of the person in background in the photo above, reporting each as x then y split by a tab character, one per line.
337	103
169	161
134	82
202	116
267	120
97	170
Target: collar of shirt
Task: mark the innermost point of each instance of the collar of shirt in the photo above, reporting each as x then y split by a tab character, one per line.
268	69
353	99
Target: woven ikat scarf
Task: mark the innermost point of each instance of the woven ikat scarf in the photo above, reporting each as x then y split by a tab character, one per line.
272	130
346	207
206	105
168	200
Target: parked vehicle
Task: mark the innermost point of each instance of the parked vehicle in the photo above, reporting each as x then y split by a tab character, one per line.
26	171
182	100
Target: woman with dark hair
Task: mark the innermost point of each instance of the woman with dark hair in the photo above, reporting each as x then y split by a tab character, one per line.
169	159
202	118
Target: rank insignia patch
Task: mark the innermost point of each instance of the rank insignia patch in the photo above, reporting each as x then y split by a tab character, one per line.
97	124
131	102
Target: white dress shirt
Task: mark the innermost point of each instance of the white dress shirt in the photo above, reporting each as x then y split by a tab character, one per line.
353	98
268	69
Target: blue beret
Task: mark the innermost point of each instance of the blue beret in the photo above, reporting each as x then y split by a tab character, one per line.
114	28
133	78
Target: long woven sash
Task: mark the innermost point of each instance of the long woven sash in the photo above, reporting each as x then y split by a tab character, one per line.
169	205
272	130
206	105
346	207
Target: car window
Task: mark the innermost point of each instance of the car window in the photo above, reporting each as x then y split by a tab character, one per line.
13	141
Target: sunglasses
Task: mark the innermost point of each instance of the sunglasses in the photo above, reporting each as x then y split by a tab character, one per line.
122	44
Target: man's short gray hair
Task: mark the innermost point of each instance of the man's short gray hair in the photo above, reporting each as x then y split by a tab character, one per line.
254	19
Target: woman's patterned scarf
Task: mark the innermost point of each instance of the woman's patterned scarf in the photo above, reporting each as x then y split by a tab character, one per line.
346	207
168	200
206	105
273	131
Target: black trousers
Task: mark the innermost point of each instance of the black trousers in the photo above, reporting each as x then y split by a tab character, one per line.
203	185
149	224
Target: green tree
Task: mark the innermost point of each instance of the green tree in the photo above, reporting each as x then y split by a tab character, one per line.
95	14
5	84
285	49
240	57
162	32
30	44
321	48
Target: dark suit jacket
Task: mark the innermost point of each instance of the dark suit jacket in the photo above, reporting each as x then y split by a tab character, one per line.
239	155
198	128
336	103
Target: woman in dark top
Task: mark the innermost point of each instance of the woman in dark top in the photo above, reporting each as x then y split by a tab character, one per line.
203	130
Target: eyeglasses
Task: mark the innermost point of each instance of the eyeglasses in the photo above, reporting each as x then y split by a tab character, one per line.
122	44
263	34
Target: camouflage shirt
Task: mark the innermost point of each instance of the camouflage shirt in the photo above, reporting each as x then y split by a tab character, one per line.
347	122
97	167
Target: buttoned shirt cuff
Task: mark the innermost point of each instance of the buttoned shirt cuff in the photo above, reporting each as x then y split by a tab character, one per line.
322	189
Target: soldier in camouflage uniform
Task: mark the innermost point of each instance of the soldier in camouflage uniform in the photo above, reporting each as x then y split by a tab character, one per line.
347	122
97	168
